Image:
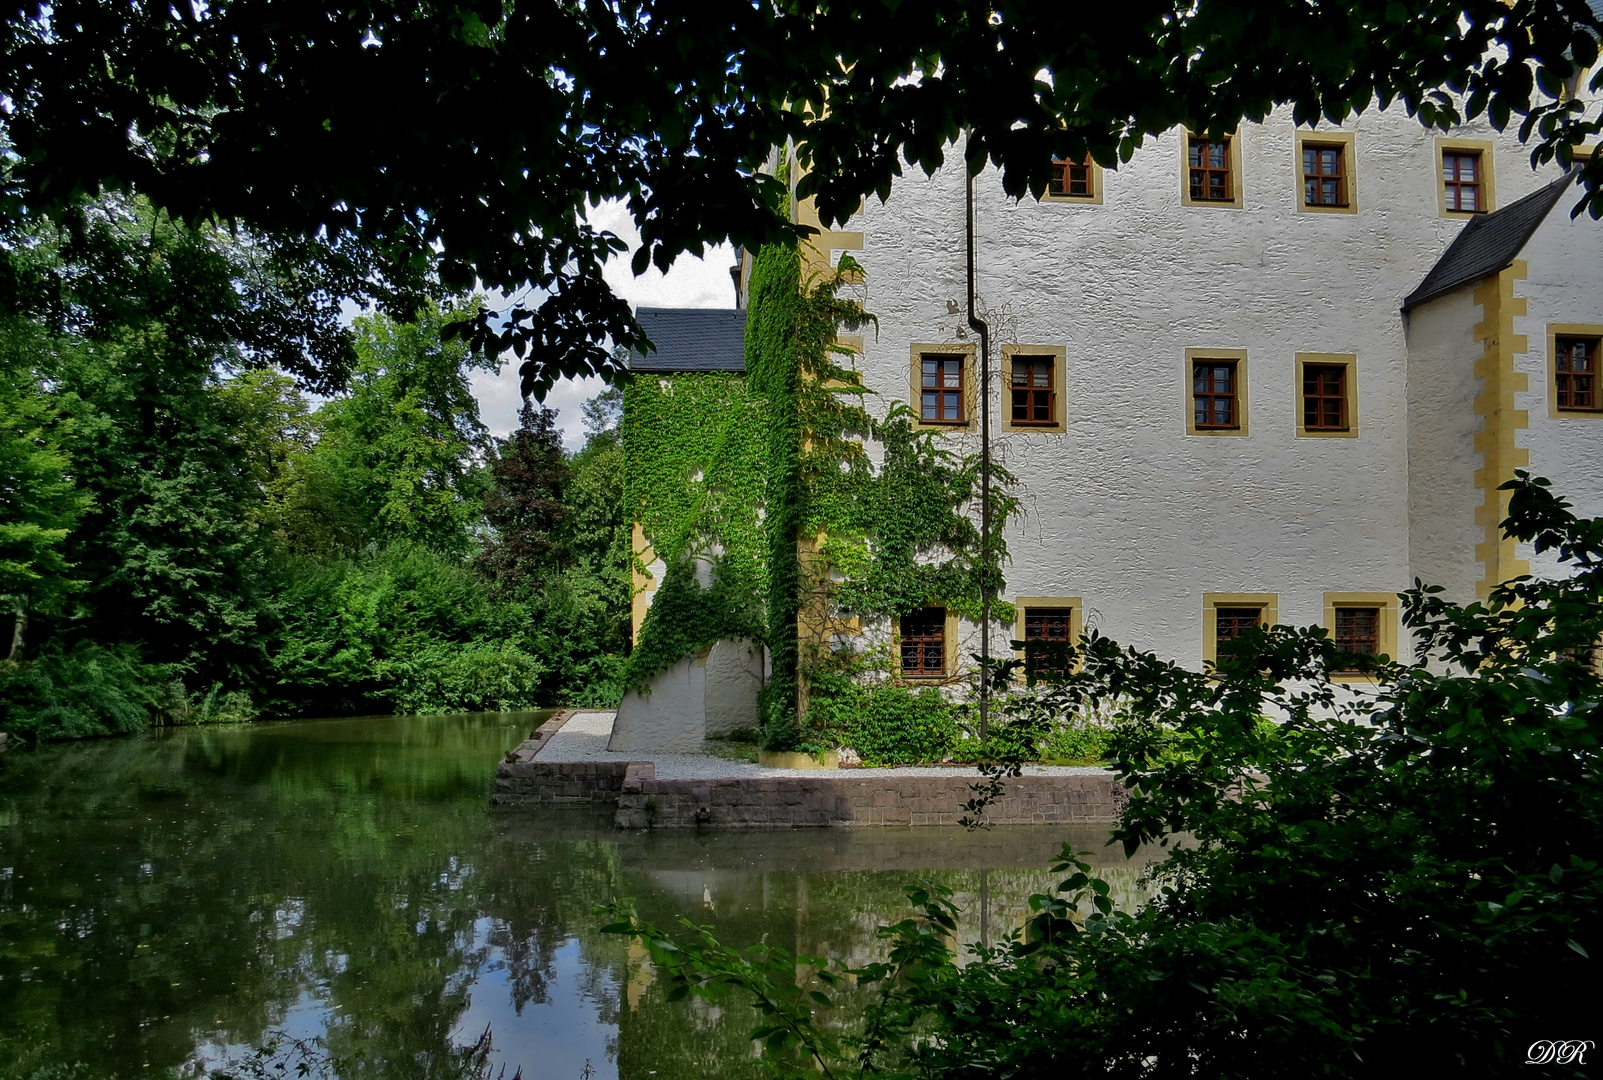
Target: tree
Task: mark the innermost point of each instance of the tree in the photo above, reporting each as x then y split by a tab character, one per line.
524	503
371	133
396	460
1381	881
39	504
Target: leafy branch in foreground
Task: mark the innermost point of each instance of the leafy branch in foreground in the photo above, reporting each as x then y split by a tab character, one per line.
1377	864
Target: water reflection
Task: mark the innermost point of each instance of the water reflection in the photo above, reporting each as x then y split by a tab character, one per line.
164	901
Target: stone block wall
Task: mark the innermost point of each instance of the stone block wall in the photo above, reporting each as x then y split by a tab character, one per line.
847	801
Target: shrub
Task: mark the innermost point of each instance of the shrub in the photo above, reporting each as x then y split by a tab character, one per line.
89	690
478	677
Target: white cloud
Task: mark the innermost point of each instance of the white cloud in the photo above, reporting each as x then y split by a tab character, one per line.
690	282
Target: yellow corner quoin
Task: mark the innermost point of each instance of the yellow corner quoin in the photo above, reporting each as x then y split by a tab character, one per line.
1268	602
1059	355
1500	420
644	584
816	249
1349	157
1349	391
1386	602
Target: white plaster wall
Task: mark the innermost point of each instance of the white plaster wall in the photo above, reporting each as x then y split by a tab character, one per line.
734	675
1124	509
671	719
1564	285
1442	459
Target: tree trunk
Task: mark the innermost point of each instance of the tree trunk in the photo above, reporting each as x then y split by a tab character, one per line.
18	625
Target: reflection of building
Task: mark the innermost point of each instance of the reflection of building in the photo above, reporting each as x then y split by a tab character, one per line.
1275	377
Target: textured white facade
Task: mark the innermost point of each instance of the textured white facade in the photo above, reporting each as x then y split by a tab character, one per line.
1126	510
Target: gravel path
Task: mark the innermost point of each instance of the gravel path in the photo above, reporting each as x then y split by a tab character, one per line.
584	738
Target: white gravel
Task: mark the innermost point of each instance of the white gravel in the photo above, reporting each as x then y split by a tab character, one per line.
584	738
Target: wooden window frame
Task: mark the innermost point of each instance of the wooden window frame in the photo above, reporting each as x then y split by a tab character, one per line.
1488	173
1202	356
1267	603
1023	604
1572	330
970	399
1233	164
1387	630
1059	355
1349	391
1347	143
949	649
1093	180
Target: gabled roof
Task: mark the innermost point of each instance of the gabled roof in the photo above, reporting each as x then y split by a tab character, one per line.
692	339
1488	243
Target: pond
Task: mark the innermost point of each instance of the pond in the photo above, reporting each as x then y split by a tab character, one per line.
166	901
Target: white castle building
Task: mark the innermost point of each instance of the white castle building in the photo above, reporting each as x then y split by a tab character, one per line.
1278	378
1275	379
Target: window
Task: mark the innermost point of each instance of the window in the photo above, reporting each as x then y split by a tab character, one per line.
1071	180
1362	624
1209	171
1464	177
923	643
1461	173
1225	616
1213	394
1575	374
1574	378
1358	630
1045	632
1033	392
1324	174
1327	395
941	390
1231	622
1049	639
1216	392
1324	397
1032	380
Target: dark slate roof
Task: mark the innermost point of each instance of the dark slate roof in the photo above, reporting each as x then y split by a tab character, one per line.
1488	243
692	339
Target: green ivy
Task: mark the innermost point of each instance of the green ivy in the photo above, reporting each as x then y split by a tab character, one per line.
742	474
694	457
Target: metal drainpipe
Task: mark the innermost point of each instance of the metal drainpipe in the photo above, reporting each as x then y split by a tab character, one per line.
979	326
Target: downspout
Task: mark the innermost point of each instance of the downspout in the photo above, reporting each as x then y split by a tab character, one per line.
978	325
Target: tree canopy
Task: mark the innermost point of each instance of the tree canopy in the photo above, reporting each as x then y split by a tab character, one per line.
396	141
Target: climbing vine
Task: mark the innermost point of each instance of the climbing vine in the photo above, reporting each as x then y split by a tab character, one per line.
694	455
765	483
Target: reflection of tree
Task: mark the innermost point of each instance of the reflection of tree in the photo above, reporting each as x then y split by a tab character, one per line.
205	888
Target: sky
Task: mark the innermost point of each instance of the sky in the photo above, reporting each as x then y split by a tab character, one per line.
690	282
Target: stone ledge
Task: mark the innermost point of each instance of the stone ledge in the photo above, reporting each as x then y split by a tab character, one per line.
643	801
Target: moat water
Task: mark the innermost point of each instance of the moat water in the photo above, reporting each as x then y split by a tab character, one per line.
170	902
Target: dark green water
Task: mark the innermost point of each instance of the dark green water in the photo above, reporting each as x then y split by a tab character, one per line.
167	900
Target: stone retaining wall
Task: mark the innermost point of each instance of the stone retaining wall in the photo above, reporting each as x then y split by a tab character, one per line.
523	783
876	799
852	798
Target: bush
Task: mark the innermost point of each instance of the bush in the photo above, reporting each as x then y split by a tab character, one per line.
479	677
89	690
899	726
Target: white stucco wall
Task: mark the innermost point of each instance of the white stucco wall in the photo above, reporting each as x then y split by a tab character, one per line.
1442	459
1124	509
1564	285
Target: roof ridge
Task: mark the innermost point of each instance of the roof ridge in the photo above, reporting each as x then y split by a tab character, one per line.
1489	243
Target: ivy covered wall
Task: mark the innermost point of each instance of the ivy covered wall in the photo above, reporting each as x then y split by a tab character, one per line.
774	523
